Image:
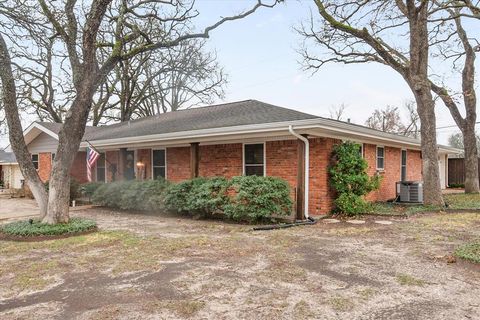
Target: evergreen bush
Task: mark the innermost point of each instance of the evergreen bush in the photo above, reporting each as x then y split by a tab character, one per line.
349	178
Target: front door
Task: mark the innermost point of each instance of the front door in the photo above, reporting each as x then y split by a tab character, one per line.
129	172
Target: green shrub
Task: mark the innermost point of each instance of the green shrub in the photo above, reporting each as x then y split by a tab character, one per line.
109	194
74	188
242	198
132	195
349	178
88	189
36	228
258	198
145	195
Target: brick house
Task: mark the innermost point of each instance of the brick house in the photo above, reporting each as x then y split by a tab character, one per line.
239	138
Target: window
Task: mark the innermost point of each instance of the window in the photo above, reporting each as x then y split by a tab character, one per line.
158	164
101	168
35	160
380	158
53	157
403	174
361	149
254	159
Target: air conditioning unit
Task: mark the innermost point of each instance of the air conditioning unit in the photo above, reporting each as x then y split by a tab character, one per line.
410	191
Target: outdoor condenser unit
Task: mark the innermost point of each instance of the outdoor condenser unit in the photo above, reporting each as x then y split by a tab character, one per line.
410	191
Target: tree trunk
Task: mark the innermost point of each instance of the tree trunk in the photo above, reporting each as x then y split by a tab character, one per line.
417	78
17	141
471	159
432	192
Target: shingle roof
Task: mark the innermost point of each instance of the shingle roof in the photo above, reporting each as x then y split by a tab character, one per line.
7	157
216	116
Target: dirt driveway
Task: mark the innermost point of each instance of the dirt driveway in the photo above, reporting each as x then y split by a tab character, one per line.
150	267
17	208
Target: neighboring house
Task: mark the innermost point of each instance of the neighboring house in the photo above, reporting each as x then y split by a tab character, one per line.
10	175
232	139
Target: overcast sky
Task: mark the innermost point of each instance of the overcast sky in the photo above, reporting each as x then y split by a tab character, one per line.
259	54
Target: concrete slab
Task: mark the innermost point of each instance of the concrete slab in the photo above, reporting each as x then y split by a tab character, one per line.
383	222
331	220
17	208
356	221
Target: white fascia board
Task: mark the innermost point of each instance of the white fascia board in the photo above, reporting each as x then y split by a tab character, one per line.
330	128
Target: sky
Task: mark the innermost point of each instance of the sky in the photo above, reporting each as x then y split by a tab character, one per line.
259	54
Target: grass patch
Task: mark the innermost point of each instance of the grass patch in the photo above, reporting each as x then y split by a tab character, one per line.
34	228
455	201
342	304
408	280
469	251
462	201
397	209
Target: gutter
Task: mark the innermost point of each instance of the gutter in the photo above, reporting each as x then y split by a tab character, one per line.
307	169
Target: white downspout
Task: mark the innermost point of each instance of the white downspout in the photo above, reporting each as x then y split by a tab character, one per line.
307	167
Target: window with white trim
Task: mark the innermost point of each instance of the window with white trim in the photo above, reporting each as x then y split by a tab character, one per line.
380	158
101	165
53	157
158	164
35	160
361	149
254	159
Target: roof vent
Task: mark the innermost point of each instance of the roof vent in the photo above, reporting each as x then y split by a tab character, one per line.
348	120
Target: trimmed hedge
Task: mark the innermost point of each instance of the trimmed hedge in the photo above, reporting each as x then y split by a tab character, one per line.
34	228
132	195
204	196
246	198
258	198
88	189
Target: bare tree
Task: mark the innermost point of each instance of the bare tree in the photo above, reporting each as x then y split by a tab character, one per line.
456	11
374	31
456	140
337	112
390	120
161	81
77	28
412	128
386	120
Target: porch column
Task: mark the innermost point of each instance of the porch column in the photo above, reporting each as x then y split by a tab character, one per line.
300	180
194	156
122	163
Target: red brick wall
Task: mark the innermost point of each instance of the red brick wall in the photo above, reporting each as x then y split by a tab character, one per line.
220	160
392	172
320	195
414	165
44	165
79	168
282	159
178	164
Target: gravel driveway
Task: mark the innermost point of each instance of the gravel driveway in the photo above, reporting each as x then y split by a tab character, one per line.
17	208
163	267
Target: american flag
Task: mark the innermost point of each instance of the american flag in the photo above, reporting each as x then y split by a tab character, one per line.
92	157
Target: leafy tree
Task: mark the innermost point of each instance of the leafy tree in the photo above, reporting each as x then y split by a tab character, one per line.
349	178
